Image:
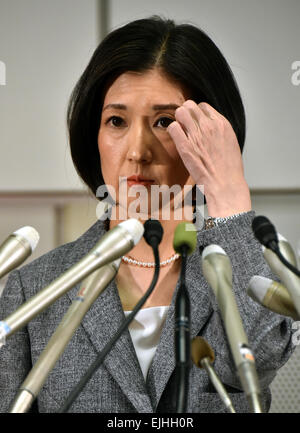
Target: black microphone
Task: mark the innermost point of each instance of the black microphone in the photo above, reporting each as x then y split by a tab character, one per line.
184	243
153	233
266	233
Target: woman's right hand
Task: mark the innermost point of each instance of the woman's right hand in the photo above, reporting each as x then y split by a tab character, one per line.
209	148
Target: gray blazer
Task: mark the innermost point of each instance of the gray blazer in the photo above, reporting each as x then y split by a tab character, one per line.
118	385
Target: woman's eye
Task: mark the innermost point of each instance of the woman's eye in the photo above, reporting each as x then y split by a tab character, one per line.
115	121
164	122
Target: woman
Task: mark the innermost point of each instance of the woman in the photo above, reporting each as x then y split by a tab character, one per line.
157	105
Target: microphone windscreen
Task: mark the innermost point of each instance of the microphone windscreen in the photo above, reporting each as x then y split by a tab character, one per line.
185	234
258	287
134	227
30	234
153	229
212	249
201	349
264	230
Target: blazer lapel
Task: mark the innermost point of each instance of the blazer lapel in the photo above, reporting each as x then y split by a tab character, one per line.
101	323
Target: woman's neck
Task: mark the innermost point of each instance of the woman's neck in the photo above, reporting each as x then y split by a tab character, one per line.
143	252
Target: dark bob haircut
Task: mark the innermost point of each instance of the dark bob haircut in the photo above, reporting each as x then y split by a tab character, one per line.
183	51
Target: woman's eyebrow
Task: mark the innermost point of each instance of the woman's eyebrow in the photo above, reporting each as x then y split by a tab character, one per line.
117	106
164	107
155	107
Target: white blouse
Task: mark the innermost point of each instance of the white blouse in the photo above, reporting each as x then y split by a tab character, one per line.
145	330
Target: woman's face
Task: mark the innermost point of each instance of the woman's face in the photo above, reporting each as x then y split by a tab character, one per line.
133	138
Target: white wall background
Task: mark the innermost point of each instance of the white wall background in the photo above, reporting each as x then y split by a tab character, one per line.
45	46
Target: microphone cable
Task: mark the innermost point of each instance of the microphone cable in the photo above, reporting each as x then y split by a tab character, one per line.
153	235
285	262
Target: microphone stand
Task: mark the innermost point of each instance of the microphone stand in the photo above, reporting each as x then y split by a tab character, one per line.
101	356
182	337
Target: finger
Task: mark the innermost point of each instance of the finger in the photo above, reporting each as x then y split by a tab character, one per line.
202	108
184	145
191	159
177	133
193	109
199	145
208	110
208	128
191	124
201	116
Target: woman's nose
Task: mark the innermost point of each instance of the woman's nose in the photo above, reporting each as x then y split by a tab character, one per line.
140	145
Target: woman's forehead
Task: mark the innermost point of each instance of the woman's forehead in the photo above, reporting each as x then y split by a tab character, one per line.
154	84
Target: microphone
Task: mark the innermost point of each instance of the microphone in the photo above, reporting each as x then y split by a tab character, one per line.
265	232
203	356
153	233
114	244
16	248
272	295
286	249
89	291
184	243
286	276
217	270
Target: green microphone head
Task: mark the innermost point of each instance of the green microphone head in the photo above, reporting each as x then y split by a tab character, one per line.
185	234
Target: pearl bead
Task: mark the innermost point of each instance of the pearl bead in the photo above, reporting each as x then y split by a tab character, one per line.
149	264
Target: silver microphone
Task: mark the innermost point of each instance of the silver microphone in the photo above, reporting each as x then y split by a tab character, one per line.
272	295
89	291
114	244
218	273
16	248
286	276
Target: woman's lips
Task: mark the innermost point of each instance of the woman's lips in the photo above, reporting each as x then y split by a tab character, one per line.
139	180
142	182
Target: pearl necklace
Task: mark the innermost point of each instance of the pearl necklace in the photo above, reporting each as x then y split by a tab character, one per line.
132	261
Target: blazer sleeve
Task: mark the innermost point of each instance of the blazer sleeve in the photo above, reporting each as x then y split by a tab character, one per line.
15	354
269	334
